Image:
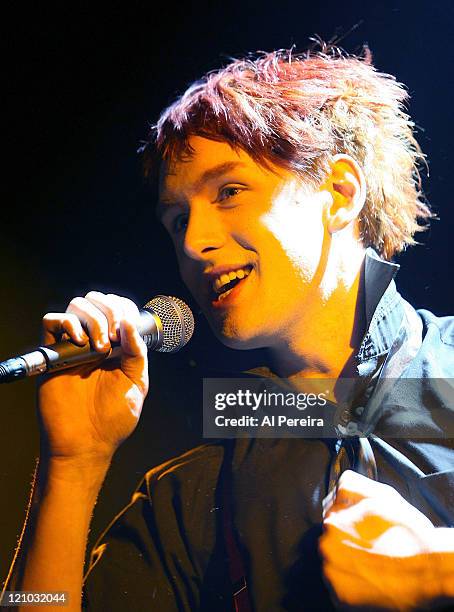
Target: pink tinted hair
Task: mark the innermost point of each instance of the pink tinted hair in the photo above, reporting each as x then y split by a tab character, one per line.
297	110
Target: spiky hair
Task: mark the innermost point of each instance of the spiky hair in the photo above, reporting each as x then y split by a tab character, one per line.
297	111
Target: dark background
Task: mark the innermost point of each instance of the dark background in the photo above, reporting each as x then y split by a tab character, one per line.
80	88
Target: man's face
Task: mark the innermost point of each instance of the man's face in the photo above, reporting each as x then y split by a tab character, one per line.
248	241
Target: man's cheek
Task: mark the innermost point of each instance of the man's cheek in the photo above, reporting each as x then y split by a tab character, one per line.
185	272
193	281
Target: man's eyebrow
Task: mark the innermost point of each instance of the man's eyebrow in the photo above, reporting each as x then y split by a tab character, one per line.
208	175
216	172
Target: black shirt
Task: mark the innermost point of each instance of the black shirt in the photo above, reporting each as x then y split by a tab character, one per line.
166	551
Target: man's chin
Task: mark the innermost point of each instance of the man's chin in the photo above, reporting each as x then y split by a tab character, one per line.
238	339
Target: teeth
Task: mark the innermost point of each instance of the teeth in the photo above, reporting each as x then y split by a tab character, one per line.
223	279
222	296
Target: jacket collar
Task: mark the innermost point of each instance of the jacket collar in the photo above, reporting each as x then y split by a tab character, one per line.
379	275
384	311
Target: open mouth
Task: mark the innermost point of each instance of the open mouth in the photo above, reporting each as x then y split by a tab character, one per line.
226	283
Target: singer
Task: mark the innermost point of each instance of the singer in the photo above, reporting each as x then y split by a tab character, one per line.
287	183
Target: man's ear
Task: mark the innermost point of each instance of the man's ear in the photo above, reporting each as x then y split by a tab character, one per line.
347	187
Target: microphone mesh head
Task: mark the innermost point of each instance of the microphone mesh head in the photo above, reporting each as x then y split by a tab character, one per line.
176	319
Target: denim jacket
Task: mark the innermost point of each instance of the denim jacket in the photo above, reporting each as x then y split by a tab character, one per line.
407	409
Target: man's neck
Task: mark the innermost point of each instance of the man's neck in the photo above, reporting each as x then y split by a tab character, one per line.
324	341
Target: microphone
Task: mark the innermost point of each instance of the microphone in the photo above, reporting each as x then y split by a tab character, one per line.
166	325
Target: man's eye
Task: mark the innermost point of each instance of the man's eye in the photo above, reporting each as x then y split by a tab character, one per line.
228	192
180	223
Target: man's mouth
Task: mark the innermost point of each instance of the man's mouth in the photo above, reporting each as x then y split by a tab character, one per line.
223	284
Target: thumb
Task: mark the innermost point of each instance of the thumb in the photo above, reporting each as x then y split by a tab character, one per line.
134	360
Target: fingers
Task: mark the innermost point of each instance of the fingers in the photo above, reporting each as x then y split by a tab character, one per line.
102	318
348	491
93	320
362	523
374	543
56	323
360	486
122	317
357	496
372	516
115	310
352	488
132	343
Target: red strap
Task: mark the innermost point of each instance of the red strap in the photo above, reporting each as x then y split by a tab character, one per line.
237	571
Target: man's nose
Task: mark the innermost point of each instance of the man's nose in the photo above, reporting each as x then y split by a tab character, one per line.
204	232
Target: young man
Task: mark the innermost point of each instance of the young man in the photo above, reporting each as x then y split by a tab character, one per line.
282	182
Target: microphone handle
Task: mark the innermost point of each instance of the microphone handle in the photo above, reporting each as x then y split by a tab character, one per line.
65	354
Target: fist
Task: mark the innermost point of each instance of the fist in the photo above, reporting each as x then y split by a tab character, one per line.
89	410
378	550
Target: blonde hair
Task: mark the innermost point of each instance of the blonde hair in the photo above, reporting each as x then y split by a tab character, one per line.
297	110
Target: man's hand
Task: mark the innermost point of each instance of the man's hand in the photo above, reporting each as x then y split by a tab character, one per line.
86	412
381	552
